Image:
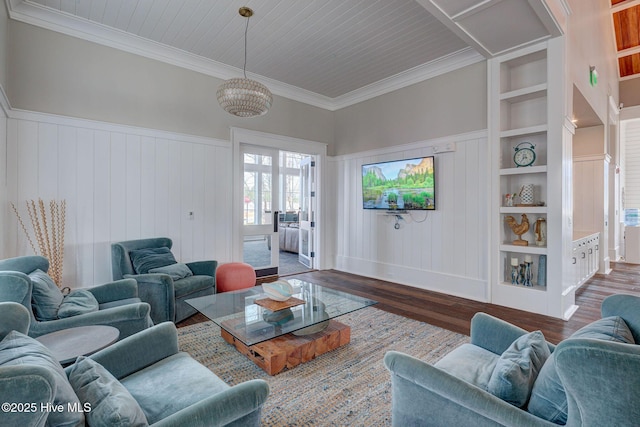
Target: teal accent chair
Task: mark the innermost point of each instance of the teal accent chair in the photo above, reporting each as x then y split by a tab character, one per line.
119	305
599	378
165	295
169	386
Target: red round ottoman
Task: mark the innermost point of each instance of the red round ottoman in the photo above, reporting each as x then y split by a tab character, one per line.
233	276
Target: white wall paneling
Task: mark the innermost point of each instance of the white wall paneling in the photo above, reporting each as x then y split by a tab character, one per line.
119	183
631	138
4	204
591	200
443	250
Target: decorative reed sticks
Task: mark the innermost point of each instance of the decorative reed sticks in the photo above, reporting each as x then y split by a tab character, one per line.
49	233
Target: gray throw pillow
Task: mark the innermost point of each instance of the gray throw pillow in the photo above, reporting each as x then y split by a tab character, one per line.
177	271
518	367
45	296
548	398
144	260
18	349
79	301
111	403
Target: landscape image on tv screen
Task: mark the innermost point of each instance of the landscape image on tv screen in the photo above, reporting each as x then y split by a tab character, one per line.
399	185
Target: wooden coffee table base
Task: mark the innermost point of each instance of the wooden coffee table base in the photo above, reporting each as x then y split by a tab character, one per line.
287	351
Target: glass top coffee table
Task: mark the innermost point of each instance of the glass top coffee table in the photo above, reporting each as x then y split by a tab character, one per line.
279	339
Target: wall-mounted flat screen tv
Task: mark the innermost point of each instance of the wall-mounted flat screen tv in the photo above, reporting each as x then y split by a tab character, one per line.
399	185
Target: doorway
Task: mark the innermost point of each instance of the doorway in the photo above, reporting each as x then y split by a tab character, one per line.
279	197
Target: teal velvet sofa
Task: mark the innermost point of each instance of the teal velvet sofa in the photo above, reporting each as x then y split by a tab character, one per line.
589	379
141	380
170	283
24	280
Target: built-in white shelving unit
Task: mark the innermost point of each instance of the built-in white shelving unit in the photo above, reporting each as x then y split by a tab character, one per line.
524	109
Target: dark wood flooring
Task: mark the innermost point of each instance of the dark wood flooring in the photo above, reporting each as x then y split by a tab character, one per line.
455	313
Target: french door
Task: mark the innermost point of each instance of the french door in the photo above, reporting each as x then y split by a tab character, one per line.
260	214
276	197
306	216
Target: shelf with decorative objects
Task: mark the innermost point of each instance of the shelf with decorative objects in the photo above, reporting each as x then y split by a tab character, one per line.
524	171
525	210
539	250
522	152
522	101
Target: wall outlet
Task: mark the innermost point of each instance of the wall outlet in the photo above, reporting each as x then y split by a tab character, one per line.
190	215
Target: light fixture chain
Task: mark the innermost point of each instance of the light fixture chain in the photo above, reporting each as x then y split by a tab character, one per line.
244	97
246	30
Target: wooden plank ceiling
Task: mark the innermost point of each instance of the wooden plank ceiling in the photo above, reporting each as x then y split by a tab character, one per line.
330	48
626	19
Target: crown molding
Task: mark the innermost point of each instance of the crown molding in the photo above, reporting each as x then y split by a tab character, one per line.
64	23
448	63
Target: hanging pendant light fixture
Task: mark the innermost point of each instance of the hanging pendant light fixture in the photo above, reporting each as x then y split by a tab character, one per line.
244	97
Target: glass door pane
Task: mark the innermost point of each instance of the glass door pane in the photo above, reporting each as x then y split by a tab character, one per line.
260	229
307	207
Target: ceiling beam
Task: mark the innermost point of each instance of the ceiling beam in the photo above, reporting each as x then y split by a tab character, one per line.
453	26
544	10
624	5
629	51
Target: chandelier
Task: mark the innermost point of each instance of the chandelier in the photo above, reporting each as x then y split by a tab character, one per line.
244	97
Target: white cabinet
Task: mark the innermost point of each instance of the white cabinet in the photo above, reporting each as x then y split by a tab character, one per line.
585	259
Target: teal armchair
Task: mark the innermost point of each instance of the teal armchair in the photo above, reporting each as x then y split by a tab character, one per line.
169	387
165	292
23	383
595	375
117	303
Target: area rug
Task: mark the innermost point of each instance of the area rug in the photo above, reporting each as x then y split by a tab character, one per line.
345	387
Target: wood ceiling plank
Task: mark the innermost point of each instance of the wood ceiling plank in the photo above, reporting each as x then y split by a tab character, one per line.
617	26
635	63
629	65
626	27
634	35
111	13
330	47
96	11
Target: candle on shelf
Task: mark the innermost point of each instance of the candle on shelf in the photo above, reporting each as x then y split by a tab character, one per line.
527	258
514	262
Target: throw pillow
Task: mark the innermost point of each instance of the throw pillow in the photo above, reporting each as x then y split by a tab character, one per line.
17	349
177	271
111	403
548	398
45	296
145	259
79	301
517	369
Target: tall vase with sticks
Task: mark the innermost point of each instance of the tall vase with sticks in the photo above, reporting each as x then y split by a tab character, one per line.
48	228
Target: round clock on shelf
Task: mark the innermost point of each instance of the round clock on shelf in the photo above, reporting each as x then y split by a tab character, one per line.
525	154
